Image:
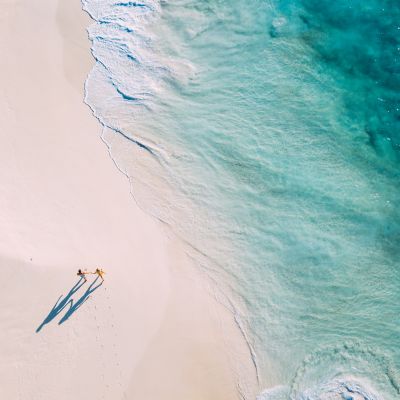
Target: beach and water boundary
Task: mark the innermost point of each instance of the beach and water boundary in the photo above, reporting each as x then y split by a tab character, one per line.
265	136
272	152
64	206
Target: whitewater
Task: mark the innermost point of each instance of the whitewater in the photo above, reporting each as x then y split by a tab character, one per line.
266	135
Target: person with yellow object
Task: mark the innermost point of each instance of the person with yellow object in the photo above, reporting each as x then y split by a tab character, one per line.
100	273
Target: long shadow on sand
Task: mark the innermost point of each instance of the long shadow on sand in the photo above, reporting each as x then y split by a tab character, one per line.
74	306
62	303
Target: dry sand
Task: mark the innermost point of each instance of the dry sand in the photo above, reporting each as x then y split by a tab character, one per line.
151	331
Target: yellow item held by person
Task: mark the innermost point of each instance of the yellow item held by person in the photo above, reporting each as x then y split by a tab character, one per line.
100	273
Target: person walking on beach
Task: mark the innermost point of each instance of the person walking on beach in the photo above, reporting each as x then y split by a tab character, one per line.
100	273
82	274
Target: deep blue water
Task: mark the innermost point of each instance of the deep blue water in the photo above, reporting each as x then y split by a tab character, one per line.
359	44
266	134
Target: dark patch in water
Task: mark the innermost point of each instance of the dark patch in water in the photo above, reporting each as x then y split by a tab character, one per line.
125	96
131	4
116	25
139	144
130	57
359	43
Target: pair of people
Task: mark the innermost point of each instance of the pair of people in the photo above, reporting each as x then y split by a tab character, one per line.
99	272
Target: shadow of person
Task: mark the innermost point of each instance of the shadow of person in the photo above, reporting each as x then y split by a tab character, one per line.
73	306
61	304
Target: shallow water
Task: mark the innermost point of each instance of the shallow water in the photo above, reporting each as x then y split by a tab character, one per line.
266	134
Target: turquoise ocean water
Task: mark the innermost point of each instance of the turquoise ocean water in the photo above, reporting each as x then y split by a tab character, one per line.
267	135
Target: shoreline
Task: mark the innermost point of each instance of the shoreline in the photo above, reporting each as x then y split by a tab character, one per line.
65	206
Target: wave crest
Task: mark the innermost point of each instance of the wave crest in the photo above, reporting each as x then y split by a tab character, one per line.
349	371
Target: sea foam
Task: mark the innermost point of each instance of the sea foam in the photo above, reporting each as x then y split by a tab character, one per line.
244	130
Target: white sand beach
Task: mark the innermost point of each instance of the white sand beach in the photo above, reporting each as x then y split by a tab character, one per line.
152	330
